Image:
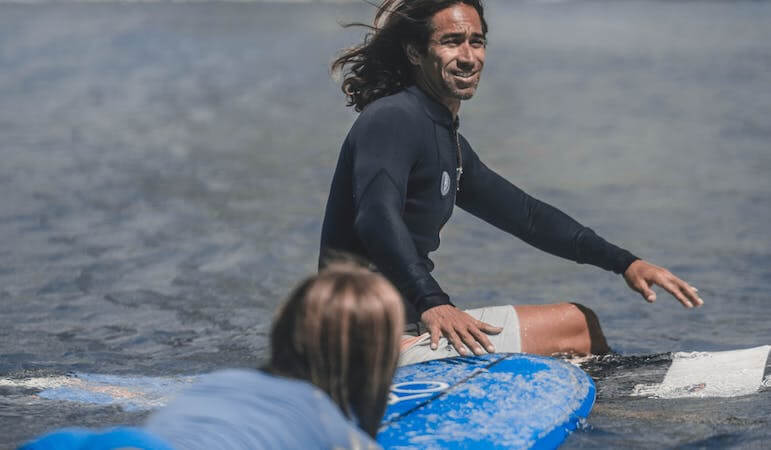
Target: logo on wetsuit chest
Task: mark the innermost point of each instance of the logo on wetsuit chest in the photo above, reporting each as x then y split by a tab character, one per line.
445	186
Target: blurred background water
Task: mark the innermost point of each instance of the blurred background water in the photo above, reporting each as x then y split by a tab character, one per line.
164	169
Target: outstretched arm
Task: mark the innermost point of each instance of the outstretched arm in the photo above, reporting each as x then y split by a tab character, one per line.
493	199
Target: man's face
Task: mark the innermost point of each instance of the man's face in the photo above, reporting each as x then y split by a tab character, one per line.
451	67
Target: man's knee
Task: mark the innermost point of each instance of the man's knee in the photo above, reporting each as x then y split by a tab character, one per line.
560	328
597	342
586	314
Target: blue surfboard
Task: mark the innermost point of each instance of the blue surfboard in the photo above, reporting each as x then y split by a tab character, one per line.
492	401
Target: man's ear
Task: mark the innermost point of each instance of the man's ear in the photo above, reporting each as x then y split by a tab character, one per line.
413	55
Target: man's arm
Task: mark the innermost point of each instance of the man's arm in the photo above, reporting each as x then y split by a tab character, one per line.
384	148
493	199
385	236
380	227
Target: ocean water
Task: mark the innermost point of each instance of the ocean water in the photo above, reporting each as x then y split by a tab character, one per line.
164	169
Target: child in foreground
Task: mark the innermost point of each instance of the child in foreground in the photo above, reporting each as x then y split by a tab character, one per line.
334	349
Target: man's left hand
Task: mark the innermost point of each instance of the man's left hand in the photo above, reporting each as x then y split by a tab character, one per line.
641	275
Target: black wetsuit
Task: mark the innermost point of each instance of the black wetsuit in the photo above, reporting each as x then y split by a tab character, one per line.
395	187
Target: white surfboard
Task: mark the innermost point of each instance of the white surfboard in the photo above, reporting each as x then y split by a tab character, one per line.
711	374
682	375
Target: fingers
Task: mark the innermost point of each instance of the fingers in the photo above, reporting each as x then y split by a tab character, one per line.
436	333
695	293
647	293
481	332
471	342
475	337
471	338
683	292
641	274
676	292
456	342
464	332
686	294
487	328
482	339
691	293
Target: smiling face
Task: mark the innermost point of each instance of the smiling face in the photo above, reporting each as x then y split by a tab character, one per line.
450	68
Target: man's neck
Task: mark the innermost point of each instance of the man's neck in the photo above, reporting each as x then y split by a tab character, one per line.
452	104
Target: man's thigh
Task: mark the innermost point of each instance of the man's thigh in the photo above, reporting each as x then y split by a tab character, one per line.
560	328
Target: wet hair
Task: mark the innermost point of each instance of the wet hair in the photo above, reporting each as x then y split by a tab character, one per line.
340	330
379	66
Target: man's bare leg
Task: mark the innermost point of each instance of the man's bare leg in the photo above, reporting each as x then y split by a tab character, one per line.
560	328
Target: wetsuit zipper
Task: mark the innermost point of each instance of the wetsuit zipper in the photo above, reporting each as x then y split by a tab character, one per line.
459	159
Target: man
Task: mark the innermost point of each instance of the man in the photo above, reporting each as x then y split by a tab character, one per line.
403	166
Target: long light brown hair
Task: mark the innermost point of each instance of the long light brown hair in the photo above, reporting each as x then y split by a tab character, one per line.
340	330
379	66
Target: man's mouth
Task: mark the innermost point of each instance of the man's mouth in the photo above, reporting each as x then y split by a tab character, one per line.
465	75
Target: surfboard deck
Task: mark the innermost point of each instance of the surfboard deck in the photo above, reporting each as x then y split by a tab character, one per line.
487	402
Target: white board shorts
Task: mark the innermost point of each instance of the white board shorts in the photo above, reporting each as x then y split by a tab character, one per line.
507	341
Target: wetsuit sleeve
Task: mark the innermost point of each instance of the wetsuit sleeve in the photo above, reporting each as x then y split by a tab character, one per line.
385	148
493	199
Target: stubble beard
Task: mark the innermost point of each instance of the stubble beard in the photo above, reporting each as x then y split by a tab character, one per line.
465	93
462	93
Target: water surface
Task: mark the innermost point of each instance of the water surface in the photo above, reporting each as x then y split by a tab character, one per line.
164	169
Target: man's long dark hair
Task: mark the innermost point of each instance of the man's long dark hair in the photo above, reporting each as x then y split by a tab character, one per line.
379	66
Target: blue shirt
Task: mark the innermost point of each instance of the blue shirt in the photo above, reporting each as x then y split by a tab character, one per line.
249	409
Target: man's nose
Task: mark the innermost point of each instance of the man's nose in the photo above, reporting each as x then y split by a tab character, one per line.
465	55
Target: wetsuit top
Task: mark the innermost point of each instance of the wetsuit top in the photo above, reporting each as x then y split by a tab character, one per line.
250	409
395	187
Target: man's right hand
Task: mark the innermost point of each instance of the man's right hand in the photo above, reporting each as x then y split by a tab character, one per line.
463	331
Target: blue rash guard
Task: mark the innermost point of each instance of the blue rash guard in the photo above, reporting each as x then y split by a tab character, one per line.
249	409
228	410
395	186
